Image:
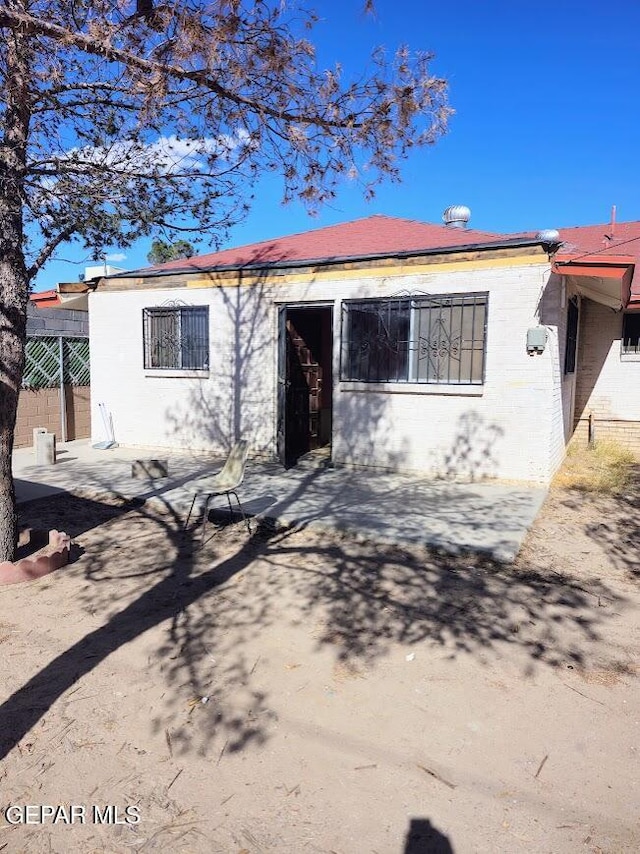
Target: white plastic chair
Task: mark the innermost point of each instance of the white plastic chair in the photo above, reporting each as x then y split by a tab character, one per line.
226	482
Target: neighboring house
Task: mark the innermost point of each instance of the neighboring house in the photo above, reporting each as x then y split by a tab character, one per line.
55	386
398	344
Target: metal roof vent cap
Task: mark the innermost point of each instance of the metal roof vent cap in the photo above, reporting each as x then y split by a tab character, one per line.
549	235
456	216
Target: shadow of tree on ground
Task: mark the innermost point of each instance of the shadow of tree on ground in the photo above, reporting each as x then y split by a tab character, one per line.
596	534
141	571
618	531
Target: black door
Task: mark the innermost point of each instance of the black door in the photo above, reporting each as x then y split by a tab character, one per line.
304	381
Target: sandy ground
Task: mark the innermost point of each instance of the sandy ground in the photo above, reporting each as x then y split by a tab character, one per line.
293	692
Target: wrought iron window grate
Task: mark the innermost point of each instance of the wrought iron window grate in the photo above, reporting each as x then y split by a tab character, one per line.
176	337
418	339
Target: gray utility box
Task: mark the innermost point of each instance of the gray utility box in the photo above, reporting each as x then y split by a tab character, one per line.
536	339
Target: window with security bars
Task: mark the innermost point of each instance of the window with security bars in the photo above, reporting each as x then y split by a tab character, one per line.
176	337
573	316
432	339
631	334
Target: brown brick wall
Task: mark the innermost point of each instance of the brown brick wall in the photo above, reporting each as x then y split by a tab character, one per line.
36	408
78	411
627	433
41	408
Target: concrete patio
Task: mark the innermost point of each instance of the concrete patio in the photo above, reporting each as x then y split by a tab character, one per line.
490	518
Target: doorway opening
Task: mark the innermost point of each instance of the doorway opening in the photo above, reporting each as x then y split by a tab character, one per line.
305	381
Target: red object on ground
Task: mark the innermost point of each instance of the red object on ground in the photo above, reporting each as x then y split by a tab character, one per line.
54	556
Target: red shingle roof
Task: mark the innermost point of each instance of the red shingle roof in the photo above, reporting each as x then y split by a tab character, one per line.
43	298
385	235
623	239
590	244
373	235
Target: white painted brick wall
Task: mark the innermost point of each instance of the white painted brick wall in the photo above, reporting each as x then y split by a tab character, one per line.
183	412
608	385
553	314
513	429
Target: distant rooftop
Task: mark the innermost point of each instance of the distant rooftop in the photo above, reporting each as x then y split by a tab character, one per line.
622	238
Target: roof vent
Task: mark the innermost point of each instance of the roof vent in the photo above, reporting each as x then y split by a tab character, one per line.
456	216
549	235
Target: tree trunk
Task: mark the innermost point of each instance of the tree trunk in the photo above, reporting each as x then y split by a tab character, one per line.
14	283
14	291
12	338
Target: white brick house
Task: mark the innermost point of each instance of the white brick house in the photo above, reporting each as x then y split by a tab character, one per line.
397	344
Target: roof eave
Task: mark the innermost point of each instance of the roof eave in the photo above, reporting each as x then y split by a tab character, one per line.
342	259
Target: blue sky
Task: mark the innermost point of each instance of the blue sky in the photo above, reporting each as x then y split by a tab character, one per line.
546	132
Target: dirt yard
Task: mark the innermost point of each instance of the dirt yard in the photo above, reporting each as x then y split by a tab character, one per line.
289	692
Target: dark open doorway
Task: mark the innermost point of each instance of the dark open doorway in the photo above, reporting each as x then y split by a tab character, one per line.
304	380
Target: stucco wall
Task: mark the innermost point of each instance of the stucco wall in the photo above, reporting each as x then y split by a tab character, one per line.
504	429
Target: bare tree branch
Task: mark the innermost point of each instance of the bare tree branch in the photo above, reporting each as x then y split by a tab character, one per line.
29	25
50	247
122	120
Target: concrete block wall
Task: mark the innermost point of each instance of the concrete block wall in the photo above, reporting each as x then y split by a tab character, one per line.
36	408
503	429
41	408
78	403
498	430
57	321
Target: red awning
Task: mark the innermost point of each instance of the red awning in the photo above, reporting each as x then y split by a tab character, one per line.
607	279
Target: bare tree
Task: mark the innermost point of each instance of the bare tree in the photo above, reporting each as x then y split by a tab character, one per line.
122	119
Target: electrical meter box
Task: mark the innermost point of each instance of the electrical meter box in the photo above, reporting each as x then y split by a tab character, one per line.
536	339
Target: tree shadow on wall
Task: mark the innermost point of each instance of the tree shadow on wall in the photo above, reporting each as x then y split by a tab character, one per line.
473	453
240	398
367	437
237	400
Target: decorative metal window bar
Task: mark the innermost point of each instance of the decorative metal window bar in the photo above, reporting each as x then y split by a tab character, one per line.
420	339
176	337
